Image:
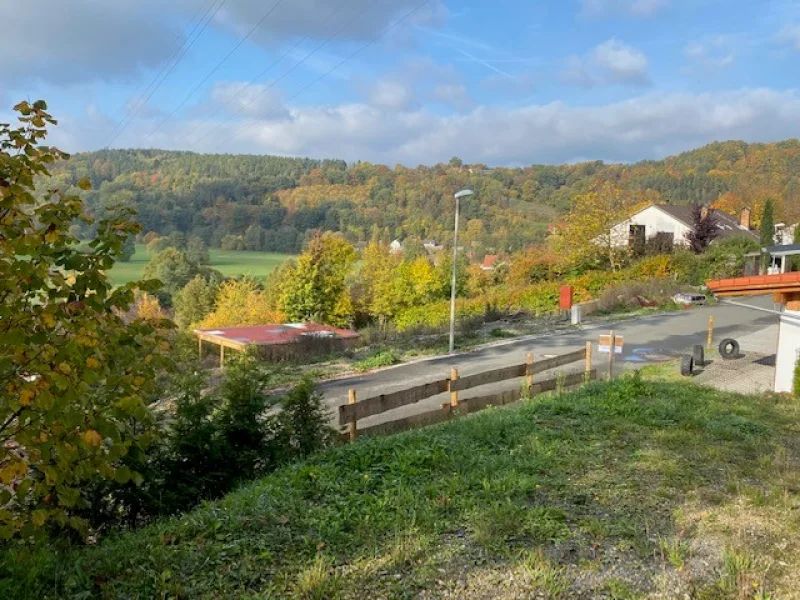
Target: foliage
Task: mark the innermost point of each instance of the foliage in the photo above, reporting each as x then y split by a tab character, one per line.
75	379
174	270
767	226
589	226
315	289
217	437
128	250
197	251
148	308
194	302
510	483
240	302
704	229
383	358
797	379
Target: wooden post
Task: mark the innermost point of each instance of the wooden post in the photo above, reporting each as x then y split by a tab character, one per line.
200	347
710	341
453	393
588	361
352	425
529	371
221	356
611	356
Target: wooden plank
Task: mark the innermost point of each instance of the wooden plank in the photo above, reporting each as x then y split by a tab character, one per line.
439	415
471	405
558	361
488	377
380	404
352	426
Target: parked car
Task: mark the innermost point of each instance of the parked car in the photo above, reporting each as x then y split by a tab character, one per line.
690	299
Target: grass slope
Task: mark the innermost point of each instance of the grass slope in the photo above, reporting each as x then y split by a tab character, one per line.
229	262
631	490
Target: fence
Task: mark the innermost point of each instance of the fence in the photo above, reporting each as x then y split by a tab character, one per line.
355	410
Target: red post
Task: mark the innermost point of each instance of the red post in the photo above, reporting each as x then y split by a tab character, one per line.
566	297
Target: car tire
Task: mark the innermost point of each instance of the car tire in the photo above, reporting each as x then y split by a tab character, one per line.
729	349
699	355
687	365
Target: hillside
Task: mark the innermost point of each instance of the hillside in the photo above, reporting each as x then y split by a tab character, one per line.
631	490
269	203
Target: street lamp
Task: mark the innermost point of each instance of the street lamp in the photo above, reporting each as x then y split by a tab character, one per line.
458	196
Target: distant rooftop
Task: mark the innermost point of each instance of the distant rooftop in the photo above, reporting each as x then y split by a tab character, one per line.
270	335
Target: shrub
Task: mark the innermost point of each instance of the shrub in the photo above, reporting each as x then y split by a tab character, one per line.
214	440
797	379
385	358
636	294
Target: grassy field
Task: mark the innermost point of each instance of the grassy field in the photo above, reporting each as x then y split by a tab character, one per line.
636	489
228	262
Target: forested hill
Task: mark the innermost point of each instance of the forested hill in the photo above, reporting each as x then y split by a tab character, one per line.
270	203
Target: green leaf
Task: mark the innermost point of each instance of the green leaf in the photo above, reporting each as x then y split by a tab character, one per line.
84	183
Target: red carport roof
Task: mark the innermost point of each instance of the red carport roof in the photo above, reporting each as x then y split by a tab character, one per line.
756	285
265	335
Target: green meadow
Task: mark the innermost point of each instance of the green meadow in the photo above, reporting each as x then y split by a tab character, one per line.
229	262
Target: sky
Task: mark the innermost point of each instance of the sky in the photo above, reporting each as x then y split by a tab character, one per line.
500	82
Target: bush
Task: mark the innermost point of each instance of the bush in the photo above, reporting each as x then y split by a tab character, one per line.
215	440
797	380
636	294
385	358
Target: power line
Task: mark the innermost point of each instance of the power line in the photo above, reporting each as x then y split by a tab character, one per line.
141	94
344	60
185	49
215	69
246	85
285	74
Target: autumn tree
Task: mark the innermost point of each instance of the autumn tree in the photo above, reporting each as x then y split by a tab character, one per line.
704	229
240	302
379	275
767	230
589	227
197	251
316	289
194	301
75	379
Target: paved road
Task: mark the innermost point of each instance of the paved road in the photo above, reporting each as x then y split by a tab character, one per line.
647	339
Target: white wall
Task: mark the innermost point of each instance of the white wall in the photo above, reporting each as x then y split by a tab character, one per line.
788	346
655	221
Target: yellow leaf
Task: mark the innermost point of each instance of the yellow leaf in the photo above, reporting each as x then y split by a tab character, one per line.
139	380
51	237
39	517
84	183
26	397
92	438
49	320
64	368
92	363
13	471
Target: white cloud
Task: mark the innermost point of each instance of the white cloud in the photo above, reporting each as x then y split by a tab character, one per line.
611	62
634	8
454	95
790	35
649	126
714	53
248	100
357	19
75	41
621	63
391	94
81	40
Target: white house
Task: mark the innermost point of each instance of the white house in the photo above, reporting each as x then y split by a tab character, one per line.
676	222
396	247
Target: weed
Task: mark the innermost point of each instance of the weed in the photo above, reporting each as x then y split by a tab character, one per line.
498	332
675	551
544	577
384	358
320	581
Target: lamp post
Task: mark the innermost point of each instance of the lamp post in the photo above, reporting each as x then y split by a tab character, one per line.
458	196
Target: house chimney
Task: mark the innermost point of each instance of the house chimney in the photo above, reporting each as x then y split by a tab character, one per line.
745	218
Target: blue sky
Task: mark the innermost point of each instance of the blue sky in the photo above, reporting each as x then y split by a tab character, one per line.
408	81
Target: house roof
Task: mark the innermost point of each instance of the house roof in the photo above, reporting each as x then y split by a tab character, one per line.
726	224
783	250
489	261
273	334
